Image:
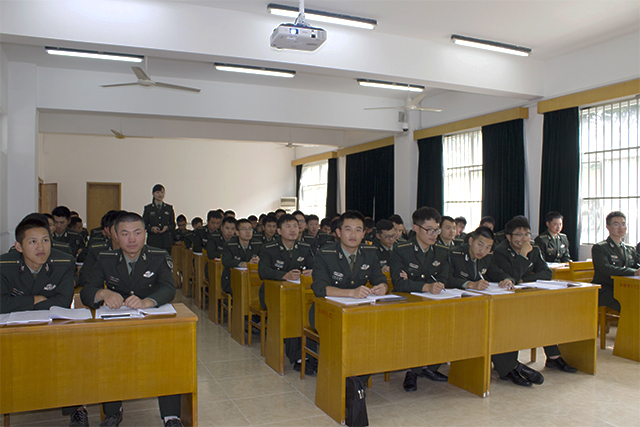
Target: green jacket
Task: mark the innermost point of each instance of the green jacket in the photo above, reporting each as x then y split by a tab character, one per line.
201	236
54	281
72	238
384	255
332	269
275	261
233	255
152	277
611	260
420	268
159	217
462	269
520	268
92	256
553	249
215	245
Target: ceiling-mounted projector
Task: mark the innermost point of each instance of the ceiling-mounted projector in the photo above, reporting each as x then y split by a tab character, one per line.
296	36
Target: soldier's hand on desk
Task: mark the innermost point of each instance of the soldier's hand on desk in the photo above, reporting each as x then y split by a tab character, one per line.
506	283
480	285
386	269
360	292
404	275
380	289
254	259
38	298
637	273
135	302
434	288
111	299
307	272
292	275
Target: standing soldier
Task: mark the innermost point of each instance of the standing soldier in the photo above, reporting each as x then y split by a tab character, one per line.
160	220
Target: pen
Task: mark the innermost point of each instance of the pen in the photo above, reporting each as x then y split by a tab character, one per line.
435	281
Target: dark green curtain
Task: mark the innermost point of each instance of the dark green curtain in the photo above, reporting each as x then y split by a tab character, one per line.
332	189
560	171
298	176
430	173
503	171
369	186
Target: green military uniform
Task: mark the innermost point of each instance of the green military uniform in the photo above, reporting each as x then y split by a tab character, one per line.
499	237
159	216
521	268
370	237
152	278
19	285
73	239
189	238
92	256
384	254
215	245
178	235
233	254
201	238
324	239
554	249
311	240
611	259
441	242
96	233
463	269
265	239
85	235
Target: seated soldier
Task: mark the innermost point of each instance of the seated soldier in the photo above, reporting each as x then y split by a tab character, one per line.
279	212
229	213
552	243
83	231
62	233
238	251
325	235
311	234
253	220
203	234
178	234
190	237
398	224
269	233
100	246
447	232
523	261
286	259
419	265
61	246
369	231
136	276
385	242
102	232
302	223
461	223
75	224
612	257
216	242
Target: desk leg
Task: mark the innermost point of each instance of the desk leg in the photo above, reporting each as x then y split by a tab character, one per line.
189	409
274	351
581	354
331	382
238	319
627	343
7	419
472	375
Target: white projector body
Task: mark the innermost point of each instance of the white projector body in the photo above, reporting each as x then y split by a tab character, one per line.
299	37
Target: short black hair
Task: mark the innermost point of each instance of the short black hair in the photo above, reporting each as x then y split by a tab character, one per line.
252	218
229	219
299	212
280	210
286	218
181	217
48	215
195	221
488	219
554	215
482	232
242	221
113	217
104	221
396	219
460	220
230	212
615	214
157	187
61	211
384	225
425	213
269	218
33	220
446	218
74	213
74	220
214	214
369	223
349	215
334	224
325	221
515	223
312	217
128	217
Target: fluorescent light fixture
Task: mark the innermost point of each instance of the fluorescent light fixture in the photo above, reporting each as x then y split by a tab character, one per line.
274	72
491	45
320	16
93	54
390	85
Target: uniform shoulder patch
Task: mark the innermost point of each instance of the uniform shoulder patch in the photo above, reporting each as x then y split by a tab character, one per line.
543	237
438	245
404	244
603	243
108	253
271	245
456	252
305	244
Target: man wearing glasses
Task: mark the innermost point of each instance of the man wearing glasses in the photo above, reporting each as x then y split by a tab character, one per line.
239	251
420	265
385	241
523	261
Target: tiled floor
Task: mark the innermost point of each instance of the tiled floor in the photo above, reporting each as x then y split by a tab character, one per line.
236	388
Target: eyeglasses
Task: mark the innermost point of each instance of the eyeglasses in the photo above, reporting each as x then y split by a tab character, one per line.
431	231
527	235
388	236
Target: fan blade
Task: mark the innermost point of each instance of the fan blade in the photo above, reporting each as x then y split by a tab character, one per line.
140	74
434	110
384	108
169	86
121	84
417	100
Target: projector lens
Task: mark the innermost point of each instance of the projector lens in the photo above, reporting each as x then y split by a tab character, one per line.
293	31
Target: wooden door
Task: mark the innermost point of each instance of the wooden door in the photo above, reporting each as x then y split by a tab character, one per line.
47	197
101	198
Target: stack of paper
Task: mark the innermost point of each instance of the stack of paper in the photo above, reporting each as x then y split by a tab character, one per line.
44	316
548	284
70	314
493	289
368	300
28	317
557	264
445	294
123	312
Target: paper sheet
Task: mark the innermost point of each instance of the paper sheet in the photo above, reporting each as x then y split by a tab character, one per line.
445	294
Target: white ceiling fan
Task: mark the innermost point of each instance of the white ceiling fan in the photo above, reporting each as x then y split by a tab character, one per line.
409	105
145	81
292	145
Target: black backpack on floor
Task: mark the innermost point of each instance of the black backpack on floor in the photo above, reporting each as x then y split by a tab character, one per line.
356	405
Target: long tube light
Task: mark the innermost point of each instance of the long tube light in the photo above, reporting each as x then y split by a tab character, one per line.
93	54
390	85
274	72
491	45
320	16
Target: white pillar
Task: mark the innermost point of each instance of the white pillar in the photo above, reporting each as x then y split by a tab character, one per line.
533	170
406	171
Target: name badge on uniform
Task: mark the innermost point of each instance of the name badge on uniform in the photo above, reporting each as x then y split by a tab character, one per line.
50	287
337	275
364	267
562	246
113	279
614	257
463	274
300	259
436	263
16	292
166	213
279	264
152	213
148	274
411	265
237	257
483	271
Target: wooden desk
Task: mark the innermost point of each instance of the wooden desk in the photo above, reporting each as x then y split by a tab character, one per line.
241	289
120	360
386	337
561	273
537	318
215	290
177	255
627	291
283	303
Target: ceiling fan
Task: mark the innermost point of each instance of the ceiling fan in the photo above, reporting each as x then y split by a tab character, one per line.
292	145
145	81
409	105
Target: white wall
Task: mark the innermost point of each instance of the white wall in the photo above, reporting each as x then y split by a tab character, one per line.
4	177
199	175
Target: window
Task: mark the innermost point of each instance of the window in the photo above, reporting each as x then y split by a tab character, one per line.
313	188
609	177
462	163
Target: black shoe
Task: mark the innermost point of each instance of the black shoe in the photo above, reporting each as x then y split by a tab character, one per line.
309	369
112	420
410	381
530	374
173	422
516	378
433	375
79	418
559	363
